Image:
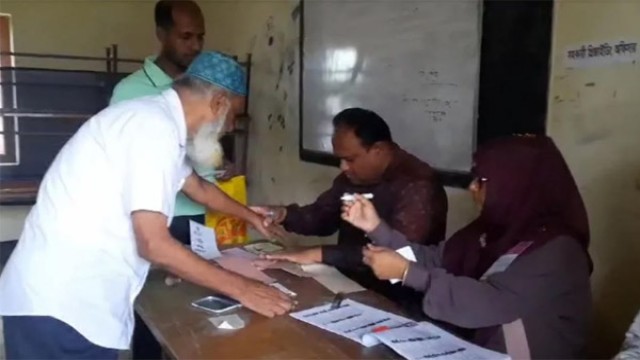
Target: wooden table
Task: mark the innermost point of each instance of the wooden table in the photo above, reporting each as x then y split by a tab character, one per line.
186	333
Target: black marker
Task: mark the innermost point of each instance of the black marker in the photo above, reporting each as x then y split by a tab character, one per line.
337	300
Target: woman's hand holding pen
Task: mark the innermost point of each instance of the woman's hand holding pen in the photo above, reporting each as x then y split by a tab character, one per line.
361	213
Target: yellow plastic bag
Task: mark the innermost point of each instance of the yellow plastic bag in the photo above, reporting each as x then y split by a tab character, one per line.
230	230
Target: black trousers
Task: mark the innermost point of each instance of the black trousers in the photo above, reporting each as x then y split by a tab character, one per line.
44	337
144	345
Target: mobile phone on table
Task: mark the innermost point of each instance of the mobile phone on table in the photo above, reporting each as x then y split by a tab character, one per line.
216	304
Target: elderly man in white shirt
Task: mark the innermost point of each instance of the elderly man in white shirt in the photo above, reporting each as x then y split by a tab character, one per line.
102	215
631	346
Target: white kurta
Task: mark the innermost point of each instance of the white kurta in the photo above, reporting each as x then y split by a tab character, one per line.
631	346
77	259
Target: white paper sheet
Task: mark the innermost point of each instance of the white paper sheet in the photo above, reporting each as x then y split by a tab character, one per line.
203	241
244	267
227	322
602	53
406	253
332	279
239	252
427	341
316	269
352	319
412	340
292	268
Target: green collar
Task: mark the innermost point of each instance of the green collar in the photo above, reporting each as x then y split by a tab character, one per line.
156	76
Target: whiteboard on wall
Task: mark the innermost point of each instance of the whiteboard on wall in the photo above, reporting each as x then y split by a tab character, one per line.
415	63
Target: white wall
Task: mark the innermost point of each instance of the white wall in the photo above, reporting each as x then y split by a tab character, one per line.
11	221
594	117
81	28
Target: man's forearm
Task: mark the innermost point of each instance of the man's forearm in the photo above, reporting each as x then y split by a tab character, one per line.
174	257
217	200
312	220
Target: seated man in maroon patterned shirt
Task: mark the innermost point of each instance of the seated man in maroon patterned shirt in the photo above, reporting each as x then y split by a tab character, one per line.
407	194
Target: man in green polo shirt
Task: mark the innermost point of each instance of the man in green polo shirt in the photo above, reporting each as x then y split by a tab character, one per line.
180	29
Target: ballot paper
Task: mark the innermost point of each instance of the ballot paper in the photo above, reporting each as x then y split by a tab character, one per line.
316	269
332	279
406	253
203	241
244	267
292	268
227	322
239	252
427	341
351	319
369	326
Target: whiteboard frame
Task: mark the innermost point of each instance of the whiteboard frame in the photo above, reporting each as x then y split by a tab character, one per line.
490	123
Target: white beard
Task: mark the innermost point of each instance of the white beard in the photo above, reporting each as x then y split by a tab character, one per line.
204	149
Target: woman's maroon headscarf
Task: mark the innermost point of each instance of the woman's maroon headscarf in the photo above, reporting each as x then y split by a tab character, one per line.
530	196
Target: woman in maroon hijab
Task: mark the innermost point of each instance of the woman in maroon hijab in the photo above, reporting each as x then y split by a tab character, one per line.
516	279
